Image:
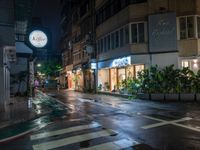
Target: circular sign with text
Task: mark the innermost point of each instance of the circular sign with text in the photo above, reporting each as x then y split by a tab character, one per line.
38	38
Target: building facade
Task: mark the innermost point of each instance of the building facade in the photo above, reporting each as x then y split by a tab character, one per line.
134	34
78	44
129	35
7	49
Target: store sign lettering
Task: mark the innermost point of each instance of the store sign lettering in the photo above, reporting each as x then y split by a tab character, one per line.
121	62
38	38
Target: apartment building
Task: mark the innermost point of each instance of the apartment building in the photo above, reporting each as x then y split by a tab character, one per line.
77	44
134	34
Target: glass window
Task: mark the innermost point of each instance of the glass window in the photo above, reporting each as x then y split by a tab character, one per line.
182	28
101	46
198	26
108	38
112	40
126	32
129	72
121	37
105	45
138	68
190	27
134	33
116	39
141	32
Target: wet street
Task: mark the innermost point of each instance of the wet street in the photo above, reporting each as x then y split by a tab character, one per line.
99	122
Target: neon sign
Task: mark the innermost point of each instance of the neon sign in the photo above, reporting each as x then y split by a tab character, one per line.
121	62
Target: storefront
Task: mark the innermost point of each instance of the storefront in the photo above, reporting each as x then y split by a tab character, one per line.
77	78
112	73
193	63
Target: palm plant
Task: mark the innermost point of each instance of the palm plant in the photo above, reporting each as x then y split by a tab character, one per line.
156	80
196	83
186	78
170	79
144	79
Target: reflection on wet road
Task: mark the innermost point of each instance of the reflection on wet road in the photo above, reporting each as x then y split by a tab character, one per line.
111	124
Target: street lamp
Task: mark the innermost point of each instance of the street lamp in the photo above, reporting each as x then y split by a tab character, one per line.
39	65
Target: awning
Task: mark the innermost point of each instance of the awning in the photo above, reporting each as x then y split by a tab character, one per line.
21	47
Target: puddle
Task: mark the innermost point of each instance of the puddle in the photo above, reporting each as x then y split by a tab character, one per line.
85	144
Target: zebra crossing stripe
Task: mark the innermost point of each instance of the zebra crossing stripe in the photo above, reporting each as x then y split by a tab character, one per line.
115	145
73	139
64	131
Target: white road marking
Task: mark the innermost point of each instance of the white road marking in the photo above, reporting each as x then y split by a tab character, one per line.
173	122
165	123
64	131
115	145
73	139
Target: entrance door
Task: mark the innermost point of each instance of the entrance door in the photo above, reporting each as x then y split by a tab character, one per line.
113	79
121	76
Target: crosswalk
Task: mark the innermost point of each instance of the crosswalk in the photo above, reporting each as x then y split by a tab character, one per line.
61	138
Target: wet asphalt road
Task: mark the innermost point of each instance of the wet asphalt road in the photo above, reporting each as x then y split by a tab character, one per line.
148	125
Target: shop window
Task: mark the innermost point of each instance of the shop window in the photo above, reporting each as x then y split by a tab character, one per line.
113	76
138	68
103	80
186	27
185	63
129	72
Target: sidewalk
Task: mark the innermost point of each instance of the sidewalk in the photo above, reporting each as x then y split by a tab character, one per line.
25	116
20	110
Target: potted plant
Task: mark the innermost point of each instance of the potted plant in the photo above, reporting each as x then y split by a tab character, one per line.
186	78
156	83
196	86
144	80
170	83
107	86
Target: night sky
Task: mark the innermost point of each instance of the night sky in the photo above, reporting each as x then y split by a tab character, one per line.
49	12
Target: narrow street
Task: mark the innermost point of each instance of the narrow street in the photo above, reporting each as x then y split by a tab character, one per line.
110	123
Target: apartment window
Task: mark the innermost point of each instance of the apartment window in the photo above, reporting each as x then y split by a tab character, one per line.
186	27
190	26
121	35
101	46
108	39
116	39
137	33
105	44
198	26
141	32
98	46
112	41
134	33
126	32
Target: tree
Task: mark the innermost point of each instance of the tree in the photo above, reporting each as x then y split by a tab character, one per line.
49	68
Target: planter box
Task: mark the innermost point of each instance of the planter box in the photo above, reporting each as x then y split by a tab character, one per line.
198	97
187	97
157	97
172	97
143	96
